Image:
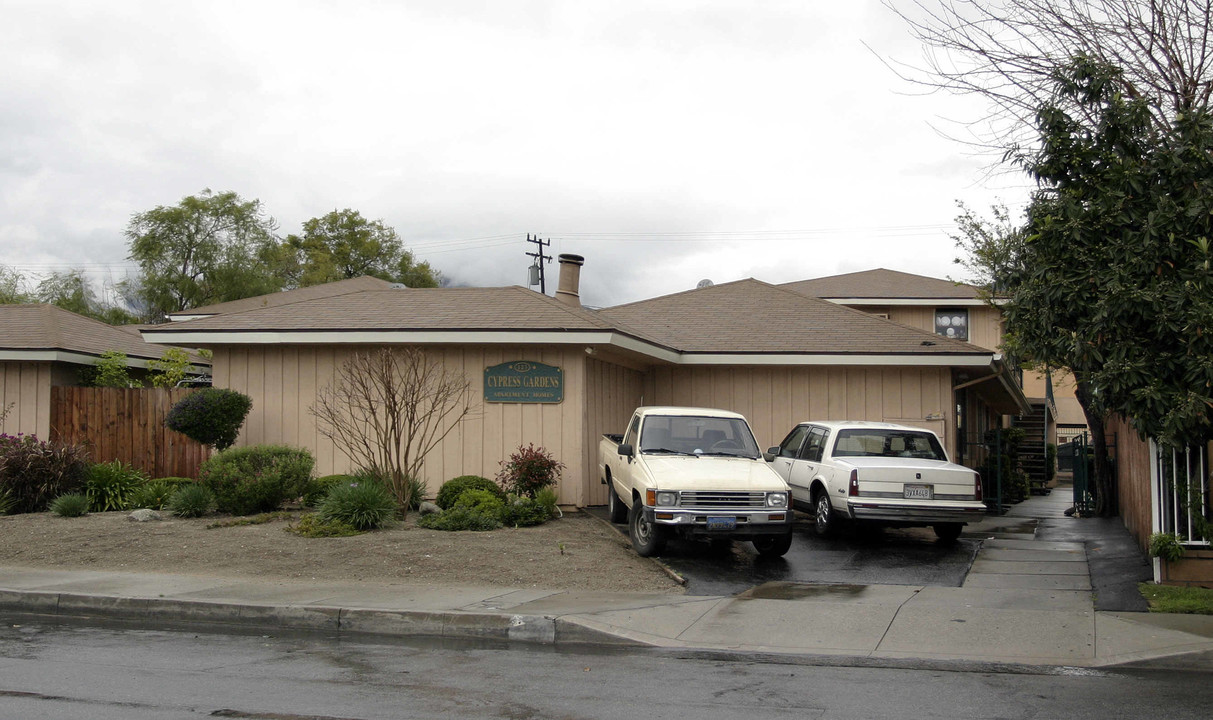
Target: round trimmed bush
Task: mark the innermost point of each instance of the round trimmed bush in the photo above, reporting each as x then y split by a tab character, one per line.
71	505
212	416
257	478
481	501
459	518
453	488
363	506
191	501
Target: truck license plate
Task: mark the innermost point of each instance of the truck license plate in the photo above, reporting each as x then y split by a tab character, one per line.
722	523
918	492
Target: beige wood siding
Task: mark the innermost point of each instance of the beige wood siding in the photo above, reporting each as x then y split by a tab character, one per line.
613	392
284	380
25	388
776	398
985	323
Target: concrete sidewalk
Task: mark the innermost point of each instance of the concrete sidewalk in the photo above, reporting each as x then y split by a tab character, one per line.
1026	601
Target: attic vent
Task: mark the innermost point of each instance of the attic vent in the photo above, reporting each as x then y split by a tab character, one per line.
398	286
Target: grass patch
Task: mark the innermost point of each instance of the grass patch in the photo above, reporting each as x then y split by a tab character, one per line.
1175	599
261	519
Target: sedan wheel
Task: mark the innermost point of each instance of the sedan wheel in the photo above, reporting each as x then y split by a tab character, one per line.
648	539
824	522
948	532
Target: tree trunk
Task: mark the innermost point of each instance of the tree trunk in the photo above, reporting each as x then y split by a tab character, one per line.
1105	491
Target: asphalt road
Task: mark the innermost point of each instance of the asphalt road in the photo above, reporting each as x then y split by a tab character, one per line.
103	674
904	556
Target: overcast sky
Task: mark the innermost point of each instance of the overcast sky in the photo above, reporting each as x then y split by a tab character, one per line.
667	142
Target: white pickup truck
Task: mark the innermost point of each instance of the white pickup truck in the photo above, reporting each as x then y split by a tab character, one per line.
876	473
696	472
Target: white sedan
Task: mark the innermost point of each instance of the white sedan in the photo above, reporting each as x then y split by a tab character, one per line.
880	473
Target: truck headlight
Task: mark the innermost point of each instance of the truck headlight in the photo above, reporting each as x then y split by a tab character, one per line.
666	498
777	499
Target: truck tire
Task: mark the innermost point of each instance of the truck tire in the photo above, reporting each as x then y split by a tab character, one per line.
773	546
618	511
947	532
648	539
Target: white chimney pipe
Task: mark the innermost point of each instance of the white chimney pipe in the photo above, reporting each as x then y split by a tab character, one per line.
568	291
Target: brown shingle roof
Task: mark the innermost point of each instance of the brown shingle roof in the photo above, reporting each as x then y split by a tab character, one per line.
750	316
882	283
313	292
46	327
494	309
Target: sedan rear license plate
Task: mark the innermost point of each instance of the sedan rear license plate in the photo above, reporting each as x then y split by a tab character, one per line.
722	523
918	492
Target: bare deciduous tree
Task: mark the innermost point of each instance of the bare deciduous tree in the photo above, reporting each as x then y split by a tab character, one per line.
1007	51
388	408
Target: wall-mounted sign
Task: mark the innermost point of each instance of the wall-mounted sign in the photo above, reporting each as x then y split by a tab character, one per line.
523	381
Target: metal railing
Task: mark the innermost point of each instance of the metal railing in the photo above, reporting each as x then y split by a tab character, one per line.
1180	488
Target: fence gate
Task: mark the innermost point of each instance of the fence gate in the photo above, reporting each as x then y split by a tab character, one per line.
127	425
1180	490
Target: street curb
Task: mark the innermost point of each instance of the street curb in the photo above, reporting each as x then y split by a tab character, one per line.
514	628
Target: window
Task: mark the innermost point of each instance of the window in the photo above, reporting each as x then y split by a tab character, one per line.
952	322
790	446
816	444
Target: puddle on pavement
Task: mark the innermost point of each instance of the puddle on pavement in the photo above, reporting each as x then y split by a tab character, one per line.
800	591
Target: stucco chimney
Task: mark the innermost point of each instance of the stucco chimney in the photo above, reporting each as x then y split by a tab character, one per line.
570	279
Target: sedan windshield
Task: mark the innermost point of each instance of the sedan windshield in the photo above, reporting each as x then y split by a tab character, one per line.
695	435
888	443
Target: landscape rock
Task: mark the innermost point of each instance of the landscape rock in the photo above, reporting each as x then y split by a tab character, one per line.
144	515
428	508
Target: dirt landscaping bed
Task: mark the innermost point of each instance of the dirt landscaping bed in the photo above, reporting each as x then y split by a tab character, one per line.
574	552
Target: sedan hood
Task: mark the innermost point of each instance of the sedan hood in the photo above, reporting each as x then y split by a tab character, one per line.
682	472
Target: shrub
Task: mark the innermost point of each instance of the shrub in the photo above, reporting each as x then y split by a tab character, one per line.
1167	546
191	501
111	370
522	511
71	505
416	487
33	472
459	518
317	488
256	478
212	416
311	525
529	470
417	491
481	501
453	488
364	505
110	485
7	501
154	494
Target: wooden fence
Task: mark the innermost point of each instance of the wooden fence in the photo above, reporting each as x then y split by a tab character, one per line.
126	425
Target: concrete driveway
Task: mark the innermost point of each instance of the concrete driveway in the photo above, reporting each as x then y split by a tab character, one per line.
909	556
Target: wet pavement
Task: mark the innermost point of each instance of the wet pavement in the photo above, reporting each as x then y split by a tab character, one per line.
857	556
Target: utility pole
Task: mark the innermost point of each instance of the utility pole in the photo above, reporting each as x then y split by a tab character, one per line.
538	276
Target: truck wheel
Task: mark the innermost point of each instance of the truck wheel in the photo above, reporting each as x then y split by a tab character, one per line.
618	511
773	546
824	522
947	532
647	538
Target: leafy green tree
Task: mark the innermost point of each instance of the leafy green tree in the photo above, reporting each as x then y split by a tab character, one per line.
111	371
988	247
343	244
170	369
208	248
11	284
1112	279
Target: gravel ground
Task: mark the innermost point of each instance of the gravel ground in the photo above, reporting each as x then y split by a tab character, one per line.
573	552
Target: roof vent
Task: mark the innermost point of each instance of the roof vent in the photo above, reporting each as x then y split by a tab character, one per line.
398	286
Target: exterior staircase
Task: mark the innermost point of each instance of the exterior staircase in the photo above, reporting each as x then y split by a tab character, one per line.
1032	453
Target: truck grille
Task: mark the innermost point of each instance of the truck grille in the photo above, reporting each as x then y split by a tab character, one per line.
699	499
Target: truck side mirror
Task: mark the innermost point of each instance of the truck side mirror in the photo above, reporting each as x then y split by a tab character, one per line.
771	453
626	451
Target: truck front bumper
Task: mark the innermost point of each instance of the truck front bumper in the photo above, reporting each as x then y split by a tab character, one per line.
691	521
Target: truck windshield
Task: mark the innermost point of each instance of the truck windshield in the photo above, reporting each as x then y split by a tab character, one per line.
888	443
697	435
